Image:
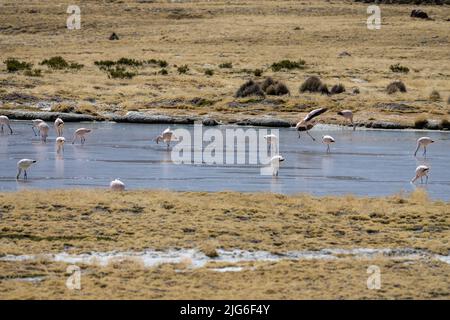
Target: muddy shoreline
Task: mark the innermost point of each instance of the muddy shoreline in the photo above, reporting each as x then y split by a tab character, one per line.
207	120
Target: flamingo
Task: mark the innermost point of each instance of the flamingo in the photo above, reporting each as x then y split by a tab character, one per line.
272	140
80	133
309	122
167	136
24	164
43	131
60	144
59	125
4	121
421	171
117	185
328	140
275	164
36	123
348	114
423	142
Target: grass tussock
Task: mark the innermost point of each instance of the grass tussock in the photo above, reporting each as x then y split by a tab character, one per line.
420	122
183	69
14	65
226	65
435	96
314	85
398	68
287	65
249	88
337	89
396	86
59	63
274	87
33	73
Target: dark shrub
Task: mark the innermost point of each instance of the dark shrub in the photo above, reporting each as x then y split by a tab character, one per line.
183	69
445	124
160	63
274	88
399	68
337	89
435	96
121	73
258	72
13	65
250	88
226	65
163	72
56	63
420	122
129	62
356	90
395	86
104	64
209	72
33	73
287	65
314	84
419	14
76	66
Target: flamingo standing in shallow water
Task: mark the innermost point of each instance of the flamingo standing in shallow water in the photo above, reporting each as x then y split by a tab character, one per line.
4	121
59	125
309	122
43	131
348	114
423	142
275	164
60	144
421	171
117	185
167	136
35	124
24	164
80	133
328	140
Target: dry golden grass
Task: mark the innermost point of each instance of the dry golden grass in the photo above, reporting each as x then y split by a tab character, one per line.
79	221
251	35
34	222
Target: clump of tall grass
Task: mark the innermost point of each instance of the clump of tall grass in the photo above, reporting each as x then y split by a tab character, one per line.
287	65
420	122
445	123
209	72
399	68
226	65
314	84
337	89
274	88
183	69
59	63
14	65
396	86
435	96
120	73
33	73
250	88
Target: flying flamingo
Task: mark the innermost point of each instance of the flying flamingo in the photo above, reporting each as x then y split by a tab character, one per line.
43	131
421	171
24	164
275	164
309	122
80	133
272	140
36	123
4	121
117	185
328	140
60	144
348	114
167	136
423	142
59	125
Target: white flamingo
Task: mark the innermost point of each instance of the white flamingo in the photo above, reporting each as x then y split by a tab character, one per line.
423	142
4	121
117	185
59	125
421	171
24	164
275	164
328	140
43	131
35	124
80	133
309	122
167	136
272	141
60	144
348	114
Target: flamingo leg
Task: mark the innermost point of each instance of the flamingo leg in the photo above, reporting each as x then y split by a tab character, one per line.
10	129
25	174
2	128
424	151
426	180
19	171
32	128
307	131
328	149
415	153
